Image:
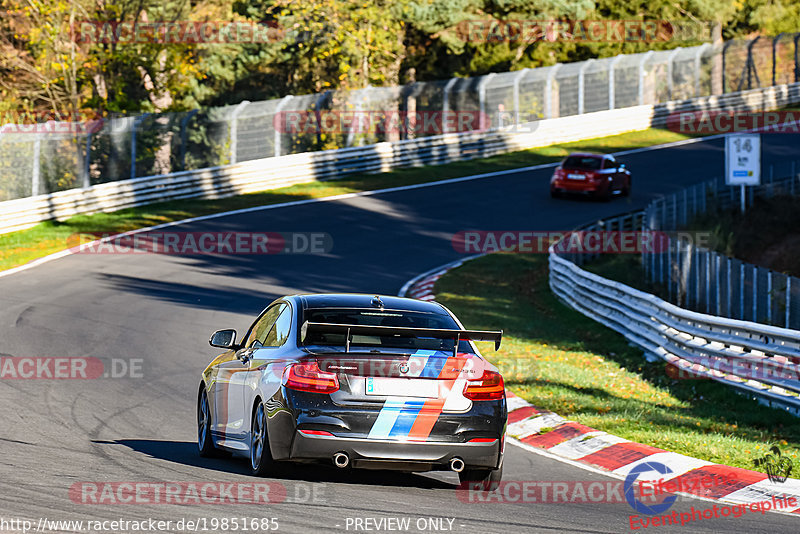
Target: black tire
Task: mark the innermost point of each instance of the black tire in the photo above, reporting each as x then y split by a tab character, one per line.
488	479
626	191
261	462
555	193
205	445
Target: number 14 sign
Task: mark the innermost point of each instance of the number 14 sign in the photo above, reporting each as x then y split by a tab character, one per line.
743	159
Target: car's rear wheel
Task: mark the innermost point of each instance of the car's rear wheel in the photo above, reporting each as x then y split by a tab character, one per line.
205	445
555	193
484	479
261	461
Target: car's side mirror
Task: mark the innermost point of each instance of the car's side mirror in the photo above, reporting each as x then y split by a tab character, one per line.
223	339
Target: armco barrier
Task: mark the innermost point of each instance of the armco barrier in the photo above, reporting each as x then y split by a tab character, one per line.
270	173
760	360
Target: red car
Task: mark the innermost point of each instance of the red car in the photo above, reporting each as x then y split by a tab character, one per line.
598	175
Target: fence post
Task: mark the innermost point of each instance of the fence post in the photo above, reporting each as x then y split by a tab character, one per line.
37	161
184	122
717	276
235	129
669	270
611	82
728	292
87	155
755	293
277	139
548	91
670	81
481	100
741	291
724	62
775	57
136	123
645	57
517	79
769	297
707	260
582	85
446	101
697	57
788	298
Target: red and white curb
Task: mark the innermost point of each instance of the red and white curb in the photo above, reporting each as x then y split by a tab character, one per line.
544	432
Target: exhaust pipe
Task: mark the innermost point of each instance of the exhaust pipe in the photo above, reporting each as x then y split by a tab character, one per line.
341	460
456	464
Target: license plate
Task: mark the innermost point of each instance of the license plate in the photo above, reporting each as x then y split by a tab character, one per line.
576	176
402	387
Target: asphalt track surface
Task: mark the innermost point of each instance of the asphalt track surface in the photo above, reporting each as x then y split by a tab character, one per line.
161	309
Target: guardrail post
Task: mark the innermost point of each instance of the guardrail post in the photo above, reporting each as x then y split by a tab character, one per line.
548	91
611	81
446	101
582	85
235	130
37	162
482	100
670	82
184	122
645	57
517	79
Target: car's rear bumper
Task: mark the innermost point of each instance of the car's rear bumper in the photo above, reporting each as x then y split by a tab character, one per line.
578	186
388	454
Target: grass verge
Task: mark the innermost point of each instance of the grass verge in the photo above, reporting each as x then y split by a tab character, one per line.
18	248
556	358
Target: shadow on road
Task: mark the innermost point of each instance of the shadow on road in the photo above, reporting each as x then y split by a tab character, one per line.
185	453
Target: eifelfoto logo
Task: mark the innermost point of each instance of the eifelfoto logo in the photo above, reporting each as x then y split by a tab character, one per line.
778	467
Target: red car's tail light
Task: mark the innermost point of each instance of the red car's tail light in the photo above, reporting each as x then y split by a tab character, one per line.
316	432
308	377
489	387
482	440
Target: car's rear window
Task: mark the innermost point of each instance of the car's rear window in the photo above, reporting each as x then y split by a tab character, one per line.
589	163
377	317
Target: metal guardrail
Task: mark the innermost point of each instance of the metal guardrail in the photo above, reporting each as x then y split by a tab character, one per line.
762	361
269	173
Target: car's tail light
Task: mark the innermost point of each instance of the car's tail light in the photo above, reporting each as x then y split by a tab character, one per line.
308	377
489	387
315	432
482	440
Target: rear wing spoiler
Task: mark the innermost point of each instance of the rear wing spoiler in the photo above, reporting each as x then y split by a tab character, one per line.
367	330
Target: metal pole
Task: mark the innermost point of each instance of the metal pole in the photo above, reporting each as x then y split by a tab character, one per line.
276	141
669	270
87	181
741	291
755	293
645	57
697	57
581	85
184	122
670	81
37	156
707	260
611	82
235	129
482	100
788	299
775	57
517	79
743	197
769	297
728	279
724	61
548	91
717	280
697	278
446	101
